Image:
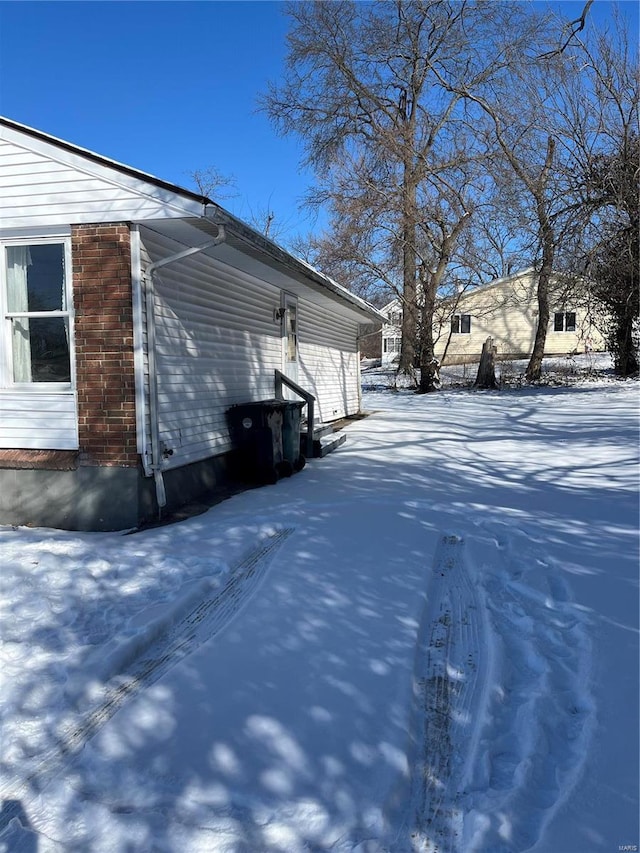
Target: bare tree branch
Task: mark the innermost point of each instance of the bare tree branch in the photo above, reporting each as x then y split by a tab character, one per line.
574	27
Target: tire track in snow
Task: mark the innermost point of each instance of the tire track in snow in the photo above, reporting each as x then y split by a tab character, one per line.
150	660
505	717
450	676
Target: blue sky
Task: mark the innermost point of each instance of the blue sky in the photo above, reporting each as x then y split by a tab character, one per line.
167	87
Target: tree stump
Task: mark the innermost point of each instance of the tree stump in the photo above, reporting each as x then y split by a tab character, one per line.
486	377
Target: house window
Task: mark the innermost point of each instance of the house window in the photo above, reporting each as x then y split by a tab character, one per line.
564	321
461	324
395	318
36	313
392	344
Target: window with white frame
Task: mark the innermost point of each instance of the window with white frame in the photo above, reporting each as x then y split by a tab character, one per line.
564	321
36	305
461	324
392	344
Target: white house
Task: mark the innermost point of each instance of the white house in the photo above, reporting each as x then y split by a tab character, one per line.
134	314
391	332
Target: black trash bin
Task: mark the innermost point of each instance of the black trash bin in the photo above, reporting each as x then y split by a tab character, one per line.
256	432
292	417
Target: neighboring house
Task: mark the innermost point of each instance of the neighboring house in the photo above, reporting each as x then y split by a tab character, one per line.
134	314
506	310
391	332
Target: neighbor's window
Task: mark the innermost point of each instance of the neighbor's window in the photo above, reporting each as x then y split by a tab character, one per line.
564	321
37	312
461	324
392	344
395	317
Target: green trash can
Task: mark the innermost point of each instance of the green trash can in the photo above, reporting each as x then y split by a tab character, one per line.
292	417
256	432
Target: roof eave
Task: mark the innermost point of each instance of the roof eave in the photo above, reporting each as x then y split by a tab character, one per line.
130	171
265	249
252	240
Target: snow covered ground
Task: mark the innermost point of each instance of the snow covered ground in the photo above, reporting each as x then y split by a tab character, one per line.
427	641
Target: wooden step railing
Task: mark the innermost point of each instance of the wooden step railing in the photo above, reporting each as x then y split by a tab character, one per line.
280	380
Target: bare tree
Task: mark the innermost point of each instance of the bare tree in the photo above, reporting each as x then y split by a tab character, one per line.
569	31
374	92
441	233
212	183
355	91
403	107
610	178
564	123
365	248
523	132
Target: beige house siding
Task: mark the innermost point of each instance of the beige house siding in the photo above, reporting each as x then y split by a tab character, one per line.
506	310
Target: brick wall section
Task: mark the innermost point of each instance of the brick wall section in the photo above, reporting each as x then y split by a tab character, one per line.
104	344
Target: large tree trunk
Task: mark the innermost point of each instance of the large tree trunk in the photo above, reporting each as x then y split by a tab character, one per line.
547	238
429	376
625	355
534	368
409	290
429	367
409	323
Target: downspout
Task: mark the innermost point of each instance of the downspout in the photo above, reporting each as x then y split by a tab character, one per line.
149	296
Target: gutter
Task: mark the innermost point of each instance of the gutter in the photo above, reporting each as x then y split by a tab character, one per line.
155	469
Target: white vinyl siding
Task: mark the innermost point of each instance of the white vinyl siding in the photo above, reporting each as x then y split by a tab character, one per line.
218	339
38	421
42	185
216	344
329	360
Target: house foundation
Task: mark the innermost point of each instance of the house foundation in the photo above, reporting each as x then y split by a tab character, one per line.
94	498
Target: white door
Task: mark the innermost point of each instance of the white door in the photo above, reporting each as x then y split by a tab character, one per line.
290	336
